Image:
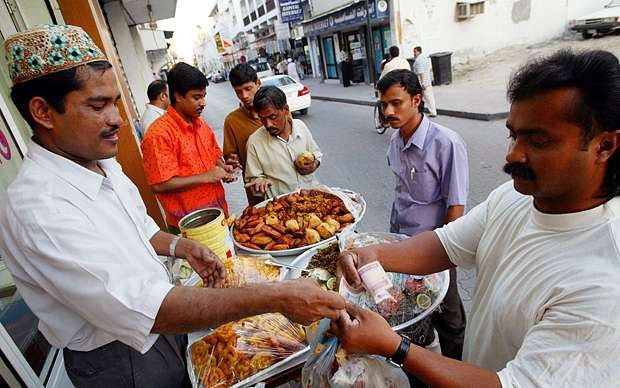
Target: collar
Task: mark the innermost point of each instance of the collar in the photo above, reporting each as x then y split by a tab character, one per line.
155	108
582	219
249	113
180	121
294	134
86	181
419	136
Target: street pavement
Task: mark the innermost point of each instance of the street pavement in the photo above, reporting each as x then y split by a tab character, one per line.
355	157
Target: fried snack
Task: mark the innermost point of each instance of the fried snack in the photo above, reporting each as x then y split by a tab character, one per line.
240	349
305	158
244	270
292	221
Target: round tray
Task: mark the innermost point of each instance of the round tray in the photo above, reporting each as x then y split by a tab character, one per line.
296	251
303	260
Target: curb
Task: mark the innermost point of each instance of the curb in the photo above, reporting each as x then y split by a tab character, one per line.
444	112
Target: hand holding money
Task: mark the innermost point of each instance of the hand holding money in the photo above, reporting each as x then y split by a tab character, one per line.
350	261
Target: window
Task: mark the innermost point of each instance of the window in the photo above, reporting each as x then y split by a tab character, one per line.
466	10
476	8
270	4
253	15
261	11
278	81
246	20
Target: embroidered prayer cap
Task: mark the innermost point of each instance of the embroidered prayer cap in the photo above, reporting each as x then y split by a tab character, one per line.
48	49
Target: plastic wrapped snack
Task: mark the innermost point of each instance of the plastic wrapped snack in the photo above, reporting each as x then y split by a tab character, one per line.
243	270
238	350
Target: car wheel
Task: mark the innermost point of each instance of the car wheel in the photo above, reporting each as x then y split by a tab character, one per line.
304	111
586	34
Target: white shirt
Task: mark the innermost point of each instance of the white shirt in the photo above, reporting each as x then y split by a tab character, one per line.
77	245
546	307
291	70
395	63
151	114
422	68
273	158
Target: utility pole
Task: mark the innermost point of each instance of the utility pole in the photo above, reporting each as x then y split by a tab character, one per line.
371	54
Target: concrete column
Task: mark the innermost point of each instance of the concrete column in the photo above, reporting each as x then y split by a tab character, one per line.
133	61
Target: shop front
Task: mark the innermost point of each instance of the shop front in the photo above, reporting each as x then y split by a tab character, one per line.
341	34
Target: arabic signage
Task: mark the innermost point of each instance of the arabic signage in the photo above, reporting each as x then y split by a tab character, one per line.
291	11
354	15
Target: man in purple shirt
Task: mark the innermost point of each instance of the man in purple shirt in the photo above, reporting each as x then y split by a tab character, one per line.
430	165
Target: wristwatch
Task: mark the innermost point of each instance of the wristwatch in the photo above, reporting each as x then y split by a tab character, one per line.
172	248
398	358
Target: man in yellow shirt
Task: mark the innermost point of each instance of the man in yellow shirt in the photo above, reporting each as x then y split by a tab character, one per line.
243	121
282	155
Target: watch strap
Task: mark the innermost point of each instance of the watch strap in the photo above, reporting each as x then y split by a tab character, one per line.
398	358
173	246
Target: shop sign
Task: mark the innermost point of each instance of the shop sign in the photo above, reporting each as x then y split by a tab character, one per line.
347	17
291	11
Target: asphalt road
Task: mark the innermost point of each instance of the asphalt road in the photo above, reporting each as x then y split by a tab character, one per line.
355	157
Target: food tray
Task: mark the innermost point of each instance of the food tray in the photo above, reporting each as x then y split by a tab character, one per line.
290	362
303	260
353	196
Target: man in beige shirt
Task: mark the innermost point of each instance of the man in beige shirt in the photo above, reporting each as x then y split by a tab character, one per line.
282	156
396	62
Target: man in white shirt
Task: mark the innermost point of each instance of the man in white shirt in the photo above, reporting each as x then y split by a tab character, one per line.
291	70
422	68
82	250
396	62
275	164
159	100
546	246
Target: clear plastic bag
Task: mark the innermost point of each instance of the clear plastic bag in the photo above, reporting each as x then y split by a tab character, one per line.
246	269
238	350
331	367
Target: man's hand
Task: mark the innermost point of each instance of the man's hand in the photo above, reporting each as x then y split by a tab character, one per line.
350	261
217	174
206	264
364	331
232	160
259	185
304	301
307	168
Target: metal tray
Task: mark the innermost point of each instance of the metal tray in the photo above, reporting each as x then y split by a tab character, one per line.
297	251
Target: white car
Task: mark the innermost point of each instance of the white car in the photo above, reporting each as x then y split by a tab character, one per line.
297	94
262	69
600	22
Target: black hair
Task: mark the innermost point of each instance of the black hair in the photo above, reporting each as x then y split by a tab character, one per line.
269	96
241	74
53	88
182	78
595	75
394	51
156	88
405	78
418	48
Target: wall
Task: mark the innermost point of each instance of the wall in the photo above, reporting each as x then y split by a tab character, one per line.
432	24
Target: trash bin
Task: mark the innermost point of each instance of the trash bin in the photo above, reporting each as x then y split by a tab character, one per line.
442	67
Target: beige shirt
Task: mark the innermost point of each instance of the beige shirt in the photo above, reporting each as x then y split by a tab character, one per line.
395	63
273	158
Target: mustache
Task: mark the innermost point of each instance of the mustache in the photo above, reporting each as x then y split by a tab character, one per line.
273	129
391	118
519	170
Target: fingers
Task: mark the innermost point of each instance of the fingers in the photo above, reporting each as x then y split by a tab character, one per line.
353	310
347	266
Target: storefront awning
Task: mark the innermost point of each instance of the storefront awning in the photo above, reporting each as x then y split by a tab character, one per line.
347	16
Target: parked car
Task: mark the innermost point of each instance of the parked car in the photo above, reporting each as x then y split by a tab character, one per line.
600	22
297	94
218	77
263	69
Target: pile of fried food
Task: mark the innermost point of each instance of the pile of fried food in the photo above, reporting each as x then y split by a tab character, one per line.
241	349
292	221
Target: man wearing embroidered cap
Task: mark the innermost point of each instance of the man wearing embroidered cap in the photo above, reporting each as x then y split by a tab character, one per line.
83	252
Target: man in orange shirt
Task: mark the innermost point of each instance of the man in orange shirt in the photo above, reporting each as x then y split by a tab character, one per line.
182	160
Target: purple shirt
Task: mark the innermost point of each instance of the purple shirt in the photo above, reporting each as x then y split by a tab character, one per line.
431	173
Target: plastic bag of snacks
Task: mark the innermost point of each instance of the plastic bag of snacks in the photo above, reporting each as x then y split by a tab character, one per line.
246	269
238	350
329	366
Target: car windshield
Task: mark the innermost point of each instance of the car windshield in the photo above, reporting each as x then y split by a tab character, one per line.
613	3
280	81
262	66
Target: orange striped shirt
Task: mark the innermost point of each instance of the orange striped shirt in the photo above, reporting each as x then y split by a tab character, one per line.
172	147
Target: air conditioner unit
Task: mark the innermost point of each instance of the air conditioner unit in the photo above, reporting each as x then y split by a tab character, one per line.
463	11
